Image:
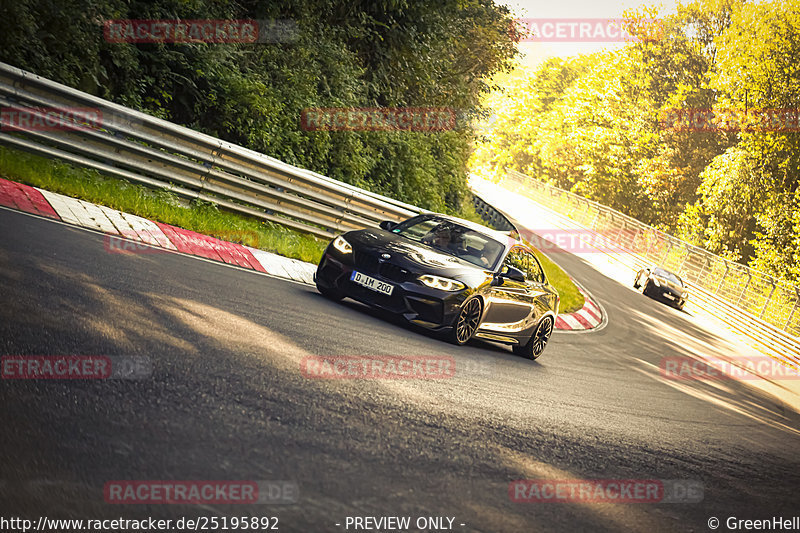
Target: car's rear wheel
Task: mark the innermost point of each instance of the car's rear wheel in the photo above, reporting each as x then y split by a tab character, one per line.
331	294
467	322
538	341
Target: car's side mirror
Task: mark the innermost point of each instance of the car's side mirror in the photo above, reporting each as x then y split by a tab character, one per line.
388	225
512	273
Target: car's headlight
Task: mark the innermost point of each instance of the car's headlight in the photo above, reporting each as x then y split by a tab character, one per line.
342	245
657	283
445	284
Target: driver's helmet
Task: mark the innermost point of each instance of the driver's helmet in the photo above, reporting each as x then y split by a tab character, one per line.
458	241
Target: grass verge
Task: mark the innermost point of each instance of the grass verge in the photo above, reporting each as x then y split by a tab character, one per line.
159	205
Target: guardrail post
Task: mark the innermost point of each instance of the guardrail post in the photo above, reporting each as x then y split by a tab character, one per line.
766	304
706	263
650	241
741	294
624	235
725	275
619	232
635	240
791	315
669	249
594	220
688	253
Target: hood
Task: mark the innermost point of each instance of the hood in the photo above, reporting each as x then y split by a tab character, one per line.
412	255
676	287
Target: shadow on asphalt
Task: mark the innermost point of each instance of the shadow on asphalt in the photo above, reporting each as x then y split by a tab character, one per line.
400	322
227	399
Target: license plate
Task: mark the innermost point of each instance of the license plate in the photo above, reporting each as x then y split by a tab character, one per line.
371	283
668	295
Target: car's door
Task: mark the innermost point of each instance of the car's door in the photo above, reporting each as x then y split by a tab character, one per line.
542	299
510	305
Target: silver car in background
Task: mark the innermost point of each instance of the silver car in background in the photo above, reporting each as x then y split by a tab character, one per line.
661	284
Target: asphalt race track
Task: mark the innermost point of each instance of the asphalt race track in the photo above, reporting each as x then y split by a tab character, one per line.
227	401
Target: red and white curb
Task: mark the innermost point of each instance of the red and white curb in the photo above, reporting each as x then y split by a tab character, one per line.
25	198
590	316
127	228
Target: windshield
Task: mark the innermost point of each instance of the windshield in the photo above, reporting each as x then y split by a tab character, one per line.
452	238
661	273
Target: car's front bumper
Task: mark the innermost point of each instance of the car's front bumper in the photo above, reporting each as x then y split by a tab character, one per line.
667	295
425	306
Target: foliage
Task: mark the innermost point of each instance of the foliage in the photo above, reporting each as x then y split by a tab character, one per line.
758	68
720	220
365	53
595	124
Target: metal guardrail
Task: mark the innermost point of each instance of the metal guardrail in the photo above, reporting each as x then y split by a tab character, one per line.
156	153
491	216
746	299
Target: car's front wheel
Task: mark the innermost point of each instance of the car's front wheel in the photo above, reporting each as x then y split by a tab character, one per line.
467	321
538	342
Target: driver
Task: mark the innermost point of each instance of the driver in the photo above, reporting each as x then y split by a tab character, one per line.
439	238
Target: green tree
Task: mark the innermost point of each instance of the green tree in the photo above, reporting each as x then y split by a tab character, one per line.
345	54
758	69
721	219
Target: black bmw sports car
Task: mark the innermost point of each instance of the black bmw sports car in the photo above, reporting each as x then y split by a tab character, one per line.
446	274
662	284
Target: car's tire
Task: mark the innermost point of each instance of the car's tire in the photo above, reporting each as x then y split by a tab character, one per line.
636	283
467	321
331	294
646	289
538	341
